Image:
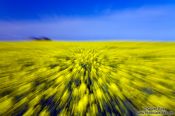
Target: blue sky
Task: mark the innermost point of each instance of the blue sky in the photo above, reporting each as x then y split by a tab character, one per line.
89	20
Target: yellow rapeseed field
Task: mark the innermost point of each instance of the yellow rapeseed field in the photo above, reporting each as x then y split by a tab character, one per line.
86	78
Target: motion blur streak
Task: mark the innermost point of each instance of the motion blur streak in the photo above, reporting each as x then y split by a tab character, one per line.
85	78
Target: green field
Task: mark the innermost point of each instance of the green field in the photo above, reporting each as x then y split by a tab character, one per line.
86	78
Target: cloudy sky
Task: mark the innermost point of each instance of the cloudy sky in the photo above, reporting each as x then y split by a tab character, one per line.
88	20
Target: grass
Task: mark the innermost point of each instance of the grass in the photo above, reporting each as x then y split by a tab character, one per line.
86	78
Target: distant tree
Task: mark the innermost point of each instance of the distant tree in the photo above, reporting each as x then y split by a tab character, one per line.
40	39
46	38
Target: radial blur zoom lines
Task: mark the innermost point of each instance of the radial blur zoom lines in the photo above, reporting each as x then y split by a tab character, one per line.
95	78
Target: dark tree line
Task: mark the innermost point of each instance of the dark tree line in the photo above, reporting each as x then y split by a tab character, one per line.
41	39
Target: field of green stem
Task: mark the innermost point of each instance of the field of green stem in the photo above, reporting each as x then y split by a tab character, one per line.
86	78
